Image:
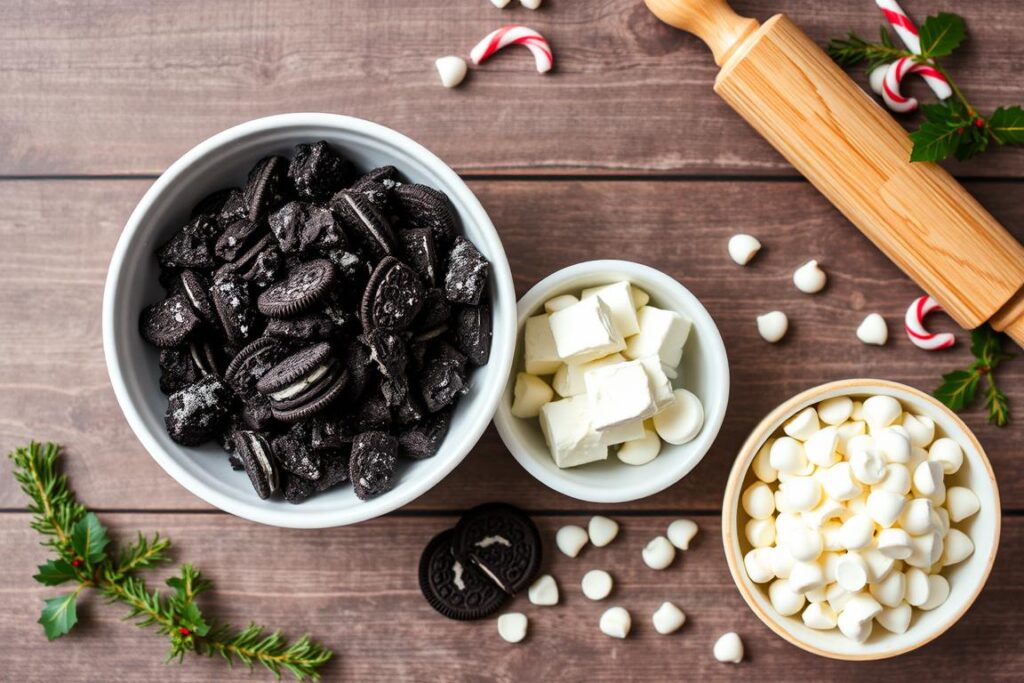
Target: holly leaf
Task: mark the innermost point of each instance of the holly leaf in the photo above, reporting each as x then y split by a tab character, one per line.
89	539
55	572
1006	125
958	388
59	615
971	143
942	34
934	141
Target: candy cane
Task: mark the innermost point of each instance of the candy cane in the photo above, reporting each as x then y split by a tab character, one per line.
907	31
914	324
515	34
900	68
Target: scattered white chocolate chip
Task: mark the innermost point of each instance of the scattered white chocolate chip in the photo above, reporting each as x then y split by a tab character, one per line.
873	330
544	591
961	503
668	619
512	626
602	530
529	395
596	584
772	326
530	4
559	302
659	553
616	622
743	247
681	532
570	539
681	420
729	648
451	69
501	4
810	278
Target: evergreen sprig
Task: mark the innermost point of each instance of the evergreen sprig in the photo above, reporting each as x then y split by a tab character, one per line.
84	557
951	127
959	388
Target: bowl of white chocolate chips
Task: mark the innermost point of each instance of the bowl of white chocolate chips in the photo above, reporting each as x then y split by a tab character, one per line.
861	519
619	383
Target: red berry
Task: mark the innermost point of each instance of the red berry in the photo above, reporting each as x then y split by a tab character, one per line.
184	631
979	122
76	562
960	130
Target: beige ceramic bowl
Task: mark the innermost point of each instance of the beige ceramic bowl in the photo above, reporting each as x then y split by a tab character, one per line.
966	579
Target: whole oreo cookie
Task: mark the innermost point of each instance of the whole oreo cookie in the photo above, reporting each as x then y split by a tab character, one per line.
364	219
257	457
372	464
301	289
251	363
425	207
393	297
503	542
169	322
453	586
304	383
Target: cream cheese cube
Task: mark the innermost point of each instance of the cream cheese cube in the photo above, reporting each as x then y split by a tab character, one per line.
628	431
584	332
619	297
619	394
568	431
662	333
539	347
661	386
568	380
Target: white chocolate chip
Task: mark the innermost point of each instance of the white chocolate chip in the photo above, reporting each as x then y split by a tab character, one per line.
928	481
917	590
743	247
921	429
659	553
917	516
758	563
570	539
879	565
839	483
938	591
835	411
810	278
889	591
857	532
806	576
885	507
784	599
895	619
559	302
894	444
787	455
802	425
596	584
616	622
961	503
758	501
867	463
529	395
896	479
852	572
544	591
948	453
873	330
820	616
820	447
801	493
681	532
772	326
782	562
512	626
881	411
451	69
530	4
681	420
500	4
729	648
668	619
640	451
894	543
958	546
602	530
762	465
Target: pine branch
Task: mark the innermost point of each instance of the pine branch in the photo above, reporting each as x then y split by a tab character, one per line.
81	543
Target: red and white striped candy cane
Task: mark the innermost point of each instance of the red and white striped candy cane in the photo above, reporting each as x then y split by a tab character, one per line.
907	31
914	325
515	34
900	68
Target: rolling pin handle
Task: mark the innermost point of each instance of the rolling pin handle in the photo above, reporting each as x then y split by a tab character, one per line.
713	21
1010	318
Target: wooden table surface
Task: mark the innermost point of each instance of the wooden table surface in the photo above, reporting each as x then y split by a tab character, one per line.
623	151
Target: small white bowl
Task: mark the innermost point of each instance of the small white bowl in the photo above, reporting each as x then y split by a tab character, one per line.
704	371
966	579
223	161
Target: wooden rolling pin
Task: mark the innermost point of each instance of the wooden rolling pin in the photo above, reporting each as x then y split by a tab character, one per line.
837	136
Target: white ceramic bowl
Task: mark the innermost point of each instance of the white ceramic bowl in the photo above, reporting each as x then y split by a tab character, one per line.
223	161
704	371
966	579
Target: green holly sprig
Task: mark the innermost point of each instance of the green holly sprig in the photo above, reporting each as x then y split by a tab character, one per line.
953	127
959	388
85	557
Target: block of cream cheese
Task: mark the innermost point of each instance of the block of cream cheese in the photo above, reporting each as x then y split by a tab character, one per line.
568	380
661	386
619	297
619	394
584	331
662	333
567	428
540	353
619	434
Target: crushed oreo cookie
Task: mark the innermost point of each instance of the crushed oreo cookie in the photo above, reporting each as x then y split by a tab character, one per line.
319	325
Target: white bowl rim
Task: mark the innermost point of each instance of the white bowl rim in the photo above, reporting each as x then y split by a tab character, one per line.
503	418
731	503
501	350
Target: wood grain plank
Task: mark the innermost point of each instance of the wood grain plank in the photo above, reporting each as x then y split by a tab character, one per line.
359	595
58	236
108	87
